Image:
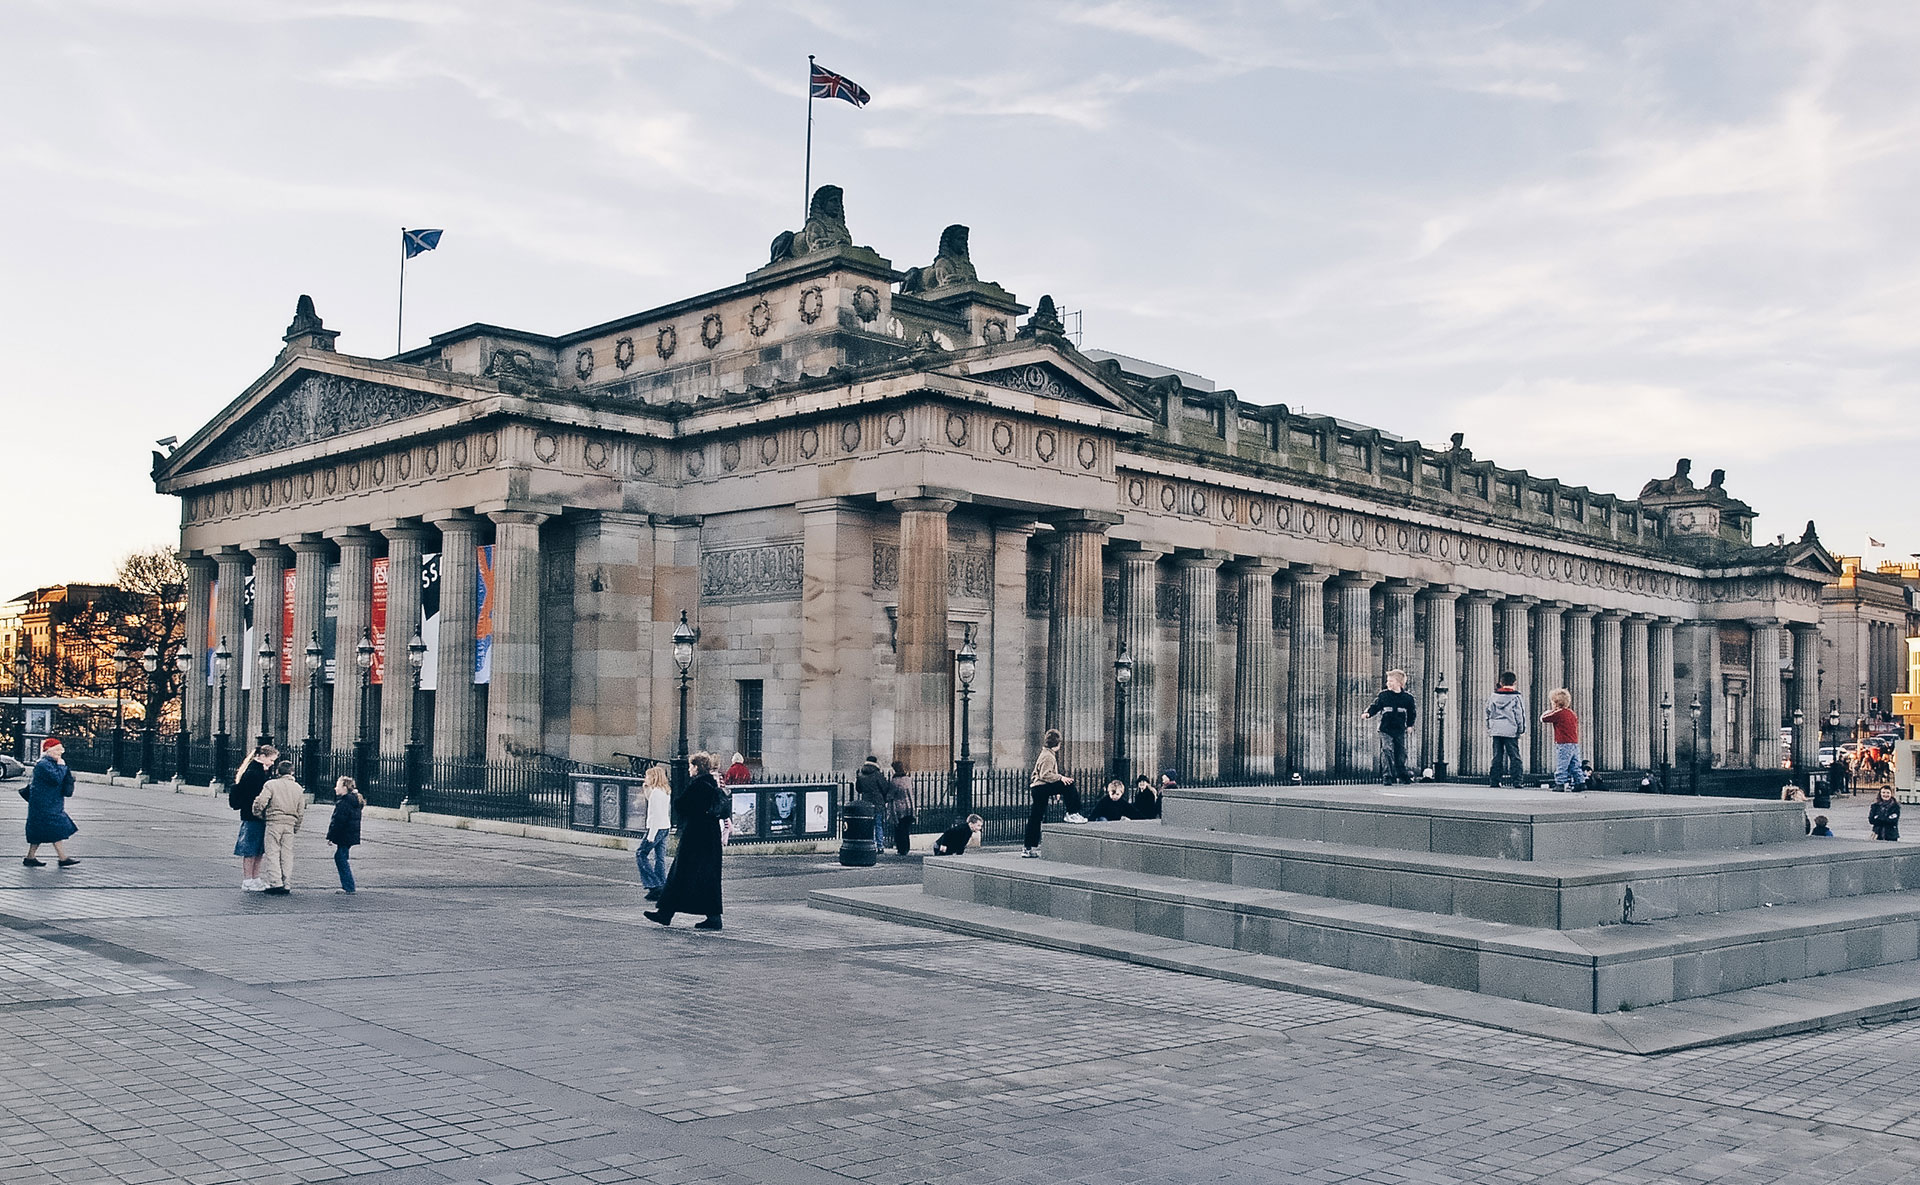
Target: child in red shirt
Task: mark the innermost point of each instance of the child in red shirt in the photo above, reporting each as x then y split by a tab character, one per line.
1566	741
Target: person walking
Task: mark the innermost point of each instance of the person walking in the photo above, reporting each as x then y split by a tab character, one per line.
252	841
343	830
900	816
651	855
693	883
1047	781
1506	724
1567	774
281	805
872	786
1883	816
46	796
1396	710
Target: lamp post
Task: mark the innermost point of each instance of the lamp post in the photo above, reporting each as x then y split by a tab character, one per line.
265	677
182	740
222	664
121	661
21	665
966	665
1693	759
1666	742
310	744
684	637
1440	721
362	746
149	662
1122	678
1793	756
415	774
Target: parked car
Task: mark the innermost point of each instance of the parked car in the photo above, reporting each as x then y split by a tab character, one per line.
9	768
1827	753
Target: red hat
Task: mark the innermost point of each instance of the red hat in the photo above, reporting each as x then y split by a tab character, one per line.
49	743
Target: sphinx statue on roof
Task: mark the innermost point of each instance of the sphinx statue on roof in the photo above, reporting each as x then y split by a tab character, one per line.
826	228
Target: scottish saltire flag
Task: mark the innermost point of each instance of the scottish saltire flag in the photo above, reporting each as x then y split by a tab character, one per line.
828	85
414	242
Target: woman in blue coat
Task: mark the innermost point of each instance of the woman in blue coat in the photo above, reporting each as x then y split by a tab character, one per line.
47	820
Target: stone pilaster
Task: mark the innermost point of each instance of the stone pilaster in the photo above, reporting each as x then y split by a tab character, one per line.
1140	633
1009	695
229	616
1666	725
405	543
269	590
612	613
1400	649
456	721
922	684
309	605
513	698
195	693
836	635
1579	668
1442	735
1806	694
1477	681
354	623
1549	672
1766	693
1198	723
1636	694
1253	702
1608	734
1307	700
1077	641
676	589
1359	678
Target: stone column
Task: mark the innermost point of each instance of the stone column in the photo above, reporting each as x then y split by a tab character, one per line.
1477	681
269	589
1013	742
922	684
1140	634
676	589
1253	703
1399	650
456	724
230	630
1442	738
1806	694
1608	739
611	703
194	693
309	605
837	623
1636	694
513	697
1307	700
1359	679
355	620
1549	672
1579	652
405	542
1766	693
1077	641
1660	690
1198	718
1516	652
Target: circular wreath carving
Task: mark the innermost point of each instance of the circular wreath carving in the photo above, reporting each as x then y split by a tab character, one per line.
1553	566
994	331
1199	501
1136	491
545	447
1536	565
1044	446
850	436
957	429
246	497
1425	541
1256	510
769	449
711	330
809	443
378	470
696	463
1379	534
623	353
353	476
226	502
730	456
1443	547
1583	571
459	454
430	457
1282	517
1089	453
489	448
403	465
266	493
1401	538
1003	438
760	318
306	485
1228	507
1306	521
895	428
583	363
286	489
595	454
1333	526
866	302
643	461
666	342
1168	497
813	302
1357	529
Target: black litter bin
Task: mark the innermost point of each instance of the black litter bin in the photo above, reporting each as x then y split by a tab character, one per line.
858	823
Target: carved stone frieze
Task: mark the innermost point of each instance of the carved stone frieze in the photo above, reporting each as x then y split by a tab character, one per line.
769	572
969	571
1039	591
318	407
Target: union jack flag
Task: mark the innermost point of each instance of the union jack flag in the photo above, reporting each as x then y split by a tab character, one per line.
828	85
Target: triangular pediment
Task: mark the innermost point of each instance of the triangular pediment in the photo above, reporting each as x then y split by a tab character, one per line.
304	408
1047	375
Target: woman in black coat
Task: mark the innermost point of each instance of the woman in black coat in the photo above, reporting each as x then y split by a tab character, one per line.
1884	815
693	883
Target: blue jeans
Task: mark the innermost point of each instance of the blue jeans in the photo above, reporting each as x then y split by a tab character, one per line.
1566	766
340	854
651	857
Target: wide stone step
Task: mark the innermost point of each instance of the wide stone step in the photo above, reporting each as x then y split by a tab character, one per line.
1477	821
1563	894
1598	970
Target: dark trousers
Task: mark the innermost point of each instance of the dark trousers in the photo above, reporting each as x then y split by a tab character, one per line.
1393	758
1506	756
1041	795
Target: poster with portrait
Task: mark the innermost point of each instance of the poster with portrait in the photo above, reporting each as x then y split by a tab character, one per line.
817	817
783	813
745	823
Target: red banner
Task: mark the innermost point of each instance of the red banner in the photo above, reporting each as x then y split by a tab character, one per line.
379	619
286	627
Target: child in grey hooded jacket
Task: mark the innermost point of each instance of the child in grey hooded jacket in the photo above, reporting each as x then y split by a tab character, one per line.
1506	724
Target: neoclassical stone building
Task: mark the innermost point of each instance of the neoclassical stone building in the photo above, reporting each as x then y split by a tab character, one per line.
840	472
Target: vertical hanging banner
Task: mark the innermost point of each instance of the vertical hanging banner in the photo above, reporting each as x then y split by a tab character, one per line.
247	656
213	624
483	627
330	622
380	619
430	620
286	627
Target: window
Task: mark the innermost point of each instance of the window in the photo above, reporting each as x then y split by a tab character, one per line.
753	696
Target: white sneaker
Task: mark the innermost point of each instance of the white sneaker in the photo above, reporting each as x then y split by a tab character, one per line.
253	885
1076	817
1030	854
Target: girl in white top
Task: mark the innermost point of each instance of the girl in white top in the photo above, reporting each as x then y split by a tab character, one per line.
651	855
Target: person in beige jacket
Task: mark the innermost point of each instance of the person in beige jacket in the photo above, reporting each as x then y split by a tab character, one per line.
282	805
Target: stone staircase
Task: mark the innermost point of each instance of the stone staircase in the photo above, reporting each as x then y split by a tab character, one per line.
1621	920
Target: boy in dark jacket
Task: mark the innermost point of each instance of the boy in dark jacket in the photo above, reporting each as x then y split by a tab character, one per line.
344	831
1112	806
1397	711
954	840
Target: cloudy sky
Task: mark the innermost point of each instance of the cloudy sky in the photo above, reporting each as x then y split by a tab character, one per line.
1592	237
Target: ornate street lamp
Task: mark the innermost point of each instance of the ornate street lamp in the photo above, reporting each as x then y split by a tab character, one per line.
310	744
222	664
21	666
1440	722
121	661
1666	742
415	774
966	666
265	678
362	745
149	662
1693	710
1793	756
684	638
1122	678
182	740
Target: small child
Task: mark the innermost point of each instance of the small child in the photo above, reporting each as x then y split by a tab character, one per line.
1820	826
344	831
954	840
281	805
1146	804
1567	773
1112	806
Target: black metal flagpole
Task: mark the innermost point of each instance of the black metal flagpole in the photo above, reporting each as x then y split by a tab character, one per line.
806	196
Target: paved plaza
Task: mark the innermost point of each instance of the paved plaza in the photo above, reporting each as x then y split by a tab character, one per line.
493	1009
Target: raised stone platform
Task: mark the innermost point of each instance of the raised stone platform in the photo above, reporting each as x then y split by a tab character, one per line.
1587	904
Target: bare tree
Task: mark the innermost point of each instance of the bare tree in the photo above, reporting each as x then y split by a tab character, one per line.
146	606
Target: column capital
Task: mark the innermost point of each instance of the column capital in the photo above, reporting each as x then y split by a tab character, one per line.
197	560
616	518
346	535
1610	615
454	520
1522	600
1761	623
1009	528
522	518
307	544
1404	586
1798	628
1347	579
1649	618
1201	557
924	505
399	528
934	493
1550	605
1140	548
1256	565
269	549
1443	592
829	505
230	554
1586	611
1310	573
1085	521
1482	596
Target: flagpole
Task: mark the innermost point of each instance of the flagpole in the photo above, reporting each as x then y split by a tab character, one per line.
806	195
400	316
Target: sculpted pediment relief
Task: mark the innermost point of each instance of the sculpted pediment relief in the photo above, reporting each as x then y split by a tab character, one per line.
314	407
1048	382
